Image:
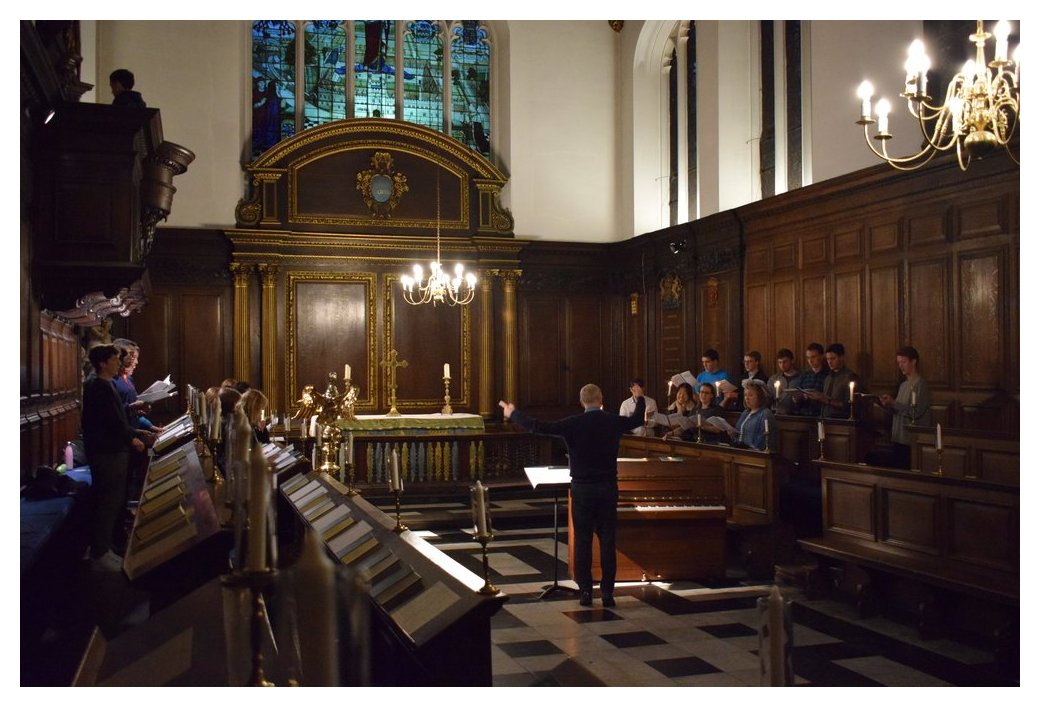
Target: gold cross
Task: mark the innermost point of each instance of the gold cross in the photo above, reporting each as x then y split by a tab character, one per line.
393	364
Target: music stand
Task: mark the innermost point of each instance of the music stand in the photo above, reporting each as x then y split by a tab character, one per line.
557	477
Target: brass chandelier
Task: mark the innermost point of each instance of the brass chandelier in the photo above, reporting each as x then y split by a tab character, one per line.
978	115
439	286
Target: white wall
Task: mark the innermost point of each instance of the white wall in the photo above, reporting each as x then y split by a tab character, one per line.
197	74
562	86
843	53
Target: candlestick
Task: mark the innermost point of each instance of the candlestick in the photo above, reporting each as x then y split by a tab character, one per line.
820	437
488	587
766	424
669	389
446	410
776	393
938	437
447	371
718	384
852	400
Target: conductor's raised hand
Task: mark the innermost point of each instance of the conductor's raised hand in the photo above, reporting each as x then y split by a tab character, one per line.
507	408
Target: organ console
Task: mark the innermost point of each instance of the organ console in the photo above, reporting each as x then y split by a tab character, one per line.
671	520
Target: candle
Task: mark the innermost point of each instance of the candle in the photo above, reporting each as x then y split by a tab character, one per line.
216	419
316	599
938	437
718	384
259	498
342	461
819	431
317	437
479	509
698	420
766	421
670	384
395	471
314	426
852	390
913	397
447	371
350	447
346	371
776	389
314	457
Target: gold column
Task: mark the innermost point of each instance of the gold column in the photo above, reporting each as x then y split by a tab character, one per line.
486	371
509	333
240	342
269	370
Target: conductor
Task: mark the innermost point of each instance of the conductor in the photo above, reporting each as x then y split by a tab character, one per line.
592	441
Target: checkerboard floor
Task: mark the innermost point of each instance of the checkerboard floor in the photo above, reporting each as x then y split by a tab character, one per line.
685	633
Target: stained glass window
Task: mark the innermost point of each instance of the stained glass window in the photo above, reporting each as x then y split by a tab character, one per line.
325	70
274	82
470	86
296	89
424	74
375	54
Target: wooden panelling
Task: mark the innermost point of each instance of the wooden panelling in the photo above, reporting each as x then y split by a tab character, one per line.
927	314
909	520
925	229
884	238
815	305
586	330
848	244
427	337
330	325
785	255
982	319
785	332
884	324
849	508
758	260
541	323
983	533
848	317
756	308
982	218
814	251
153	334
203	338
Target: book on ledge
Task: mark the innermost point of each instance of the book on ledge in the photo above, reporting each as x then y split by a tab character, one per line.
158	390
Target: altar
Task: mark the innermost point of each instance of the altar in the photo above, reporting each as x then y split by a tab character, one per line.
412	425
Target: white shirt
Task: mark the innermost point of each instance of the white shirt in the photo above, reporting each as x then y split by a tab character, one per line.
628	407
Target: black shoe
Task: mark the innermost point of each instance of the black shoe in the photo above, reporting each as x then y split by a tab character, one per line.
608	601
585	599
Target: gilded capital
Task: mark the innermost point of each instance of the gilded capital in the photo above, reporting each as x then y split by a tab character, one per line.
268	274
240	273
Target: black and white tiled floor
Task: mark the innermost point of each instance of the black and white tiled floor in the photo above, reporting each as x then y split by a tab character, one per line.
684	633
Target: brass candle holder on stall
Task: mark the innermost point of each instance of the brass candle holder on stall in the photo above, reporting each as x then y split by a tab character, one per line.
255	582
938	454
482	530
488	587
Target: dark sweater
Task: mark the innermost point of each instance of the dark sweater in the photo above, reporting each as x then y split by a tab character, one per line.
592	439
129	99
105	426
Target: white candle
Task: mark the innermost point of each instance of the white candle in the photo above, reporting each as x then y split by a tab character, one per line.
766	421
350	447
346	371
479	509
670	388
698	420
938	437
216	419
447	371
259	498
852	390
395	471
314	426
718	384
776	389
819	431
913	397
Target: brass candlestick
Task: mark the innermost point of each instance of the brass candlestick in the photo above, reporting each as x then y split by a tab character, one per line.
938	453
351	490
400	527
488	587
820	440
350	393
255	581
331	440
446	410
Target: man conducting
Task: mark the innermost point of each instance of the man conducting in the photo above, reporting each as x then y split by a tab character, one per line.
592	443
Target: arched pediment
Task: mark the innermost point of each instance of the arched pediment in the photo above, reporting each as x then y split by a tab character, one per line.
374	176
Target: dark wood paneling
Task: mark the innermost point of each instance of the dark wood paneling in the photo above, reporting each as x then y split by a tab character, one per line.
542	375
909	520
848	244
849	508
983	533
926	228
586	333
884	324
814	251
985	217
815	305
784	315
203	338
927	312
330	328
848	317
884	238
982	317
427	337
756	305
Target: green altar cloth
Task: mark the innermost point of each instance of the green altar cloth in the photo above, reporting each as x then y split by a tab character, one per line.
430	424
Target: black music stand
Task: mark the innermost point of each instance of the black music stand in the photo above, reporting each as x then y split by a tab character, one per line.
557	477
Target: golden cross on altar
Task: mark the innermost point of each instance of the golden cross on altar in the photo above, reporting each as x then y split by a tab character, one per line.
392	364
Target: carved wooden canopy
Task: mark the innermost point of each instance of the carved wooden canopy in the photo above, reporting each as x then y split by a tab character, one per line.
374	176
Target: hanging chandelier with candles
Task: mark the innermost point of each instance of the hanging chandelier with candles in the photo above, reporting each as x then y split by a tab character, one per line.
439	286
978	115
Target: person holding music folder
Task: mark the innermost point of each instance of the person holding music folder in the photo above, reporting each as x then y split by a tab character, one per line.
911	406
592	439
628	406
836	398
706	409
756	426
779	384
683	406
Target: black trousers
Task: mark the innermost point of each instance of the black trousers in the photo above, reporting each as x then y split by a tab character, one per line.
594	510
108	496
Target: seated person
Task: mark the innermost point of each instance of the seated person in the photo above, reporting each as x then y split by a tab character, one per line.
756	426
786	377
706	409
254	406
911	406
682	406
628	407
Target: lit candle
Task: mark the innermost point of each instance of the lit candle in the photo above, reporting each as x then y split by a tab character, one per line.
776	389
479	509
852	390
938	437
259	498
447	371
913	397
883	109
865	93
718	384
698	420
670	384
1001	31
819	431
314	426
346	371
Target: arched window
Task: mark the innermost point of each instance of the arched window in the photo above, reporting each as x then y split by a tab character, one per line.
428	72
